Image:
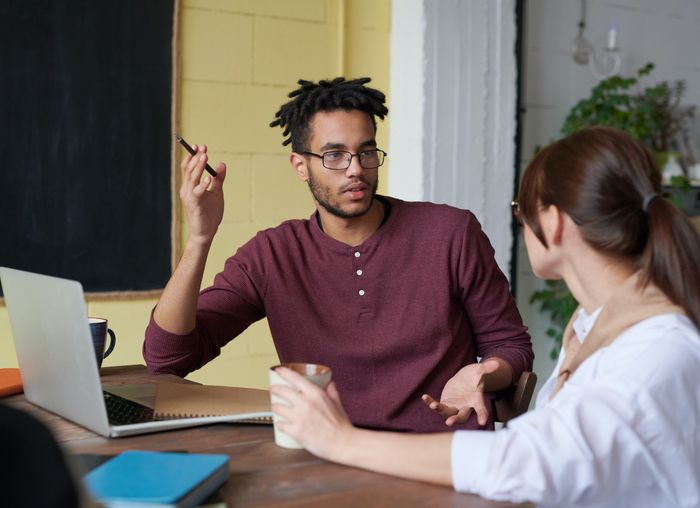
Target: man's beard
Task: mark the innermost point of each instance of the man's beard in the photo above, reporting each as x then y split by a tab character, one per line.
322	197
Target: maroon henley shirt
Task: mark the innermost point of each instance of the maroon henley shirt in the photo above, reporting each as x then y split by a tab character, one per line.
394	317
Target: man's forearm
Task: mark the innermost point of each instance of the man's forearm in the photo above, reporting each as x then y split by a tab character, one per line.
501	378
177	307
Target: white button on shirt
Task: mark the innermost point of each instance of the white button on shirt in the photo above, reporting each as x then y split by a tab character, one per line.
357	254
623	431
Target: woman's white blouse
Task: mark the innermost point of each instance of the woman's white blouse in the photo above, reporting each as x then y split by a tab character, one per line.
623	431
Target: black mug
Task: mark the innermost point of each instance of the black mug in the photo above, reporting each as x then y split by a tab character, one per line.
99	332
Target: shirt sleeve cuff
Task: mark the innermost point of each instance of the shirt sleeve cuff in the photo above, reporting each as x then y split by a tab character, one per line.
470	453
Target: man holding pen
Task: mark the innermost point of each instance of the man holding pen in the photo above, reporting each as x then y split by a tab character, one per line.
398	298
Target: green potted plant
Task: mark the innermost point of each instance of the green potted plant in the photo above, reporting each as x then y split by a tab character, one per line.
651	115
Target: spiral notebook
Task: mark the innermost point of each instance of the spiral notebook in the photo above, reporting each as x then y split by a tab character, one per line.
246	405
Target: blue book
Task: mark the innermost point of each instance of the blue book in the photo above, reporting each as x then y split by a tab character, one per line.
152	479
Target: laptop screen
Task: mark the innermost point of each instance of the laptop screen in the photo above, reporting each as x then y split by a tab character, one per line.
49	322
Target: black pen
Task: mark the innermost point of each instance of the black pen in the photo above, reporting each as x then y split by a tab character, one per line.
209	169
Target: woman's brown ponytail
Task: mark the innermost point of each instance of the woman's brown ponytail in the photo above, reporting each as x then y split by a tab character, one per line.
670	257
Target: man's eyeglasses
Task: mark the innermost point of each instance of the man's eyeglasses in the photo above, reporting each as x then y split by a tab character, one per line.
341	160
515	208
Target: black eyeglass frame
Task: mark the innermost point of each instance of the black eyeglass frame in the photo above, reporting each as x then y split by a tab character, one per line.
515	209
518	216
322	156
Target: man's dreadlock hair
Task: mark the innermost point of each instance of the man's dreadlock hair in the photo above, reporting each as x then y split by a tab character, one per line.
310	98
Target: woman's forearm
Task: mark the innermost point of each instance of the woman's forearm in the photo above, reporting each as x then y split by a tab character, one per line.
423	457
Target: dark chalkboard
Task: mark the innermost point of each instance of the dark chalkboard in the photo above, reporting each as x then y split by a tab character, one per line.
85	138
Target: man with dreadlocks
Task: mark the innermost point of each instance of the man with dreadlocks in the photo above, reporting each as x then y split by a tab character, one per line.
398	298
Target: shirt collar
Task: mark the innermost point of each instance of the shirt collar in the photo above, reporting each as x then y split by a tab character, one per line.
584	322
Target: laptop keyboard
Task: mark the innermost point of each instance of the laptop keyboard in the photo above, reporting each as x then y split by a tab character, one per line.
121	411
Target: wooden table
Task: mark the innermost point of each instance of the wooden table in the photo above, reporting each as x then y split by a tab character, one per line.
262	474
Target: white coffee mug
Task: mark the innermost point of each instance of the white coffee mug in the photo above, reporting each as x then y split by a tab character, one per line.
320	375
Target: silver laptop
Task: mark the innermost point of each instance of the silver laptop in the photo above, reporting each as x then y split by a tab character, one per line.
56	358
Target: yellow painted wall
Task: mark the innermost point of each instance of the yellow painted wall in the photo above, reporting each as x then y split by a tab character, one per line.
239	59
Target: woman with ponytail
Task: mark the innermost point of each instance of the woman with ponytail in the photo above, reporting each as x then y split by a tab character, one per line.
618	422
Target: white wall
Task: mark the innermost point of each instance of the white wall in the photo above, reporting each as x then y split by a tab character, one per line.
661	31
453	94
